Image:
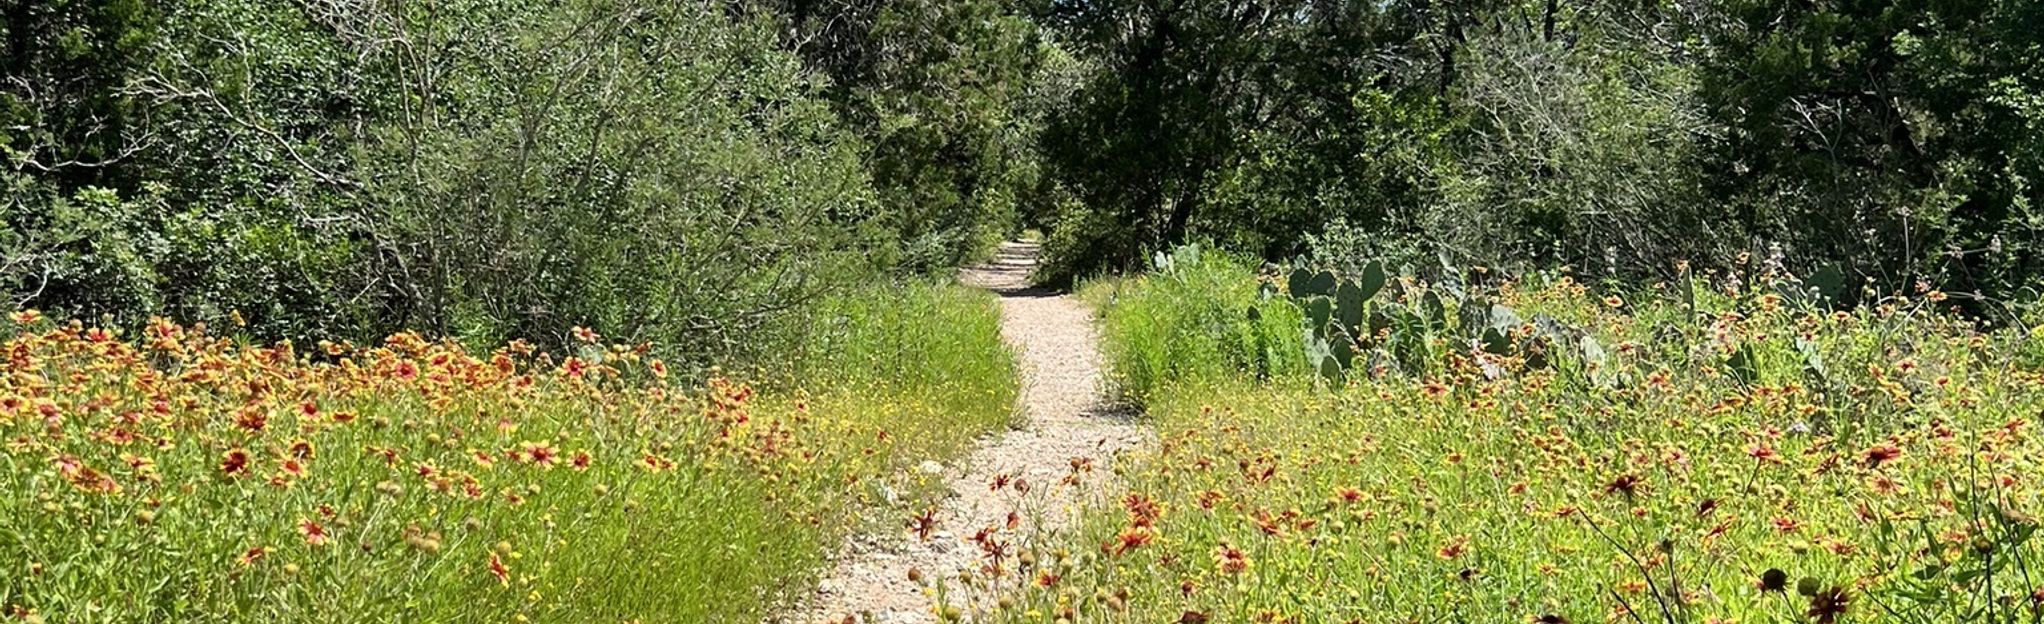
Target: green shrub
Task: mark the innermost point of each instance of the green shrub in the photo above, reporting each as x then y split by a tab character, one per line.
665	174
1582	154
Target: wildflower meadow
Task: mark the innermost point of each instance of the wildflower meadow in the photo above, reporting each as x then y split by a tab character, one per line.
1723	452
1003	311
179	474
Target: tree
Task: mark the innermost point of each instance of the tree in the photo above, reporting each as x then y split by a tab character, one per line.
1897	137
64	115
1579	144
1247	122
486	169
946	93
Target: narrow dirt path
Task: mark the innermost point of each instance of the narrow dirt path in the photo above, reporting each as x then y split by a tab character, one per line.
1024	485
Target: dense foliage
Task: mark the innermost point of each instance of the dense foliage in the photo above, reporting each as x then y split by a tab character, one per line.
1901	135
951	96
1251	123
664	172
761	185
690	173
1895	140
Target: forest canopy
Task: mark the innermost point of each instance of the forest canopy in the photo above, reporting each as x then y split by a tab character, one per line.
691	173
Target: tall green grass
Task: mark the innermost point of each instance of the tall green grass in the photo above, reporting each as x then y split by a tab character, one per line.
1189	322
916	344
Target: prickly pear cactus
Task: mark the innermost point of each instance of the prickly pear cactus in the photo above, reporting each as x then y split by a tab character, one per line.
1346	324
1336	311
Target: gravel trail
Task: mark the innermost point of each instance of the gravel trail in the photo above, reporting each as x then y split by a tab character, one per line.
1058	461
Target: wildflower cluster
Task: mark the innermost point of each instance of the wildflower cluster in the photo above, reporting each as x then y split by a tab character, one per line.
1742	460
182	476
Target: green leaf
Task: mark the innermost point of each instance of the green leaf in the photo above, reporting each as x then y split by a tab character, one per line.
1743	365
1348	306
1380	319
1318	311
1496	342
1593	353
1451	277
1436	313
1330	369
1503	318
1321	284
1828	283
1344	351
1813	359
1373	279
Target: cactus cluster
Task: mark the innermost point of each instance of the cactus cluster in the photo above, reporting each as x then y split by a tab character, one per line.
1375	322
1335	310
1352	322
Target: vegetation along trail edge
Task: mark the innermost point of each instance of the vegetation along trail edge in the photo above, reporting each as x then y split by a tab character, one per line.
1023	486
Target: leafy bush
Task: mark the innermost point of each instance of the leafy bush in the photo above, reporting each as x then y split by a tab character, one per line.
1584	153
1346	249
1080	243
664	173
489	169
77	247
1896	139
949	95
1249	125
